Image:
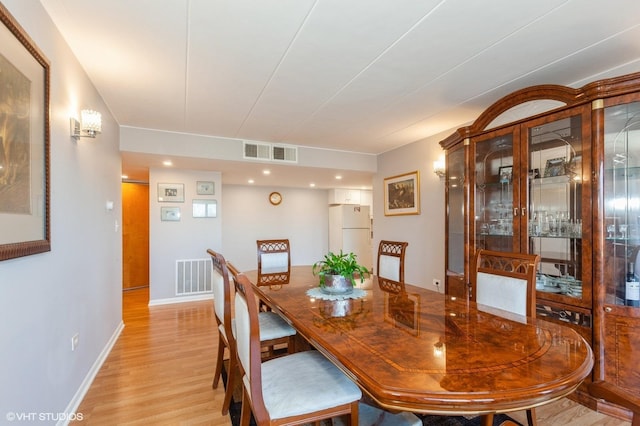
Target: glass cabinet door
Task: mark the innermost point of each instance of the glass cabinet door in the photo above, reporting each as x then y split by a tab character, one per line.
622	204
493	197
455	211
556	210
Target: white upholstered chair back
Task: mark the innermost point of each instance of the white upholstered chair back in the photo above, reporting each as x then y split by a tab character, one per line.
274	262
391	260
506	293
218	294
243	335
389	267
506	281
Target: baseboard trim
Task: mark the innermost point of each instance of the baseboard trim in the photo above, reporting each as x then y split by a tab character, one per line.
71	410
183	299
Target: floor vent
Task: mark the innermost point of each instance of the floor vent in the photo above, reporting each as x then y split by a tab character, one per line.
193	276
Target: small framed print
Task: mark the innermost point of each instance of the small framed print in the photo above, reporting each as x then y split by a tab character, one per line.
505	173
402	194
205	208
170	214
205	188
555	167
171	192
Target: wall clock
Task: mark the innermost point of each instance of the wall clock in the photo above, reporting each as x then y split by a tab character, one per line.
275	198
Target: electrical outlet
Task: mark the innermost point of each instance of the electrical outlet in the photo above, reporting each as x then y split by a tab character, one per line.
75	339
436	282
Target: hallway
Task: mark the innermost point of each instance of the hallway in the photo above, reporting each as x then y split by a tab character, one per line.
160	370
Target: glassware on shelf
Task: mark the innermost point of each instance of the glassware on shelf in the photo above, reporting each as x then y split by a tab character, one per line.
611	231
623	231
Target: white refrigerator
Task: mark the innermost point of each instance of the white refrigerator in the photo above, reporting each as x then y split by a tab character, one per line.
350	231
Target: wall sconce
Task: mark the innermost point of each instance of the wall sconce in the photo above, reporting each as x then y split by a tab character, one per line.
438	167
89	126
439	348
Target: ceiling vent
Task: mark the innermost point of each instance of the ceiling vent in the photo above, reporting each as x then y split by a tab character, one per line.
257	151
269	152
285	153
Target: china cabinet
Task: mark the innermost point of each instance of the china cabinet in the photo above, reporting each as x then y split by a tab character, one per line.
555	171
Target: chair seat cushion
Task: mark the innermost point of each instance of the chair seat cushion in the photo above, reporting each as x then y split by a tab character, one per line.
273	326
304	382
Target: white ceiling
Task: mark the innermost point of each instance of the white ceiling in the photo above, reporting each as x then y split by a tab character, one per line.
357	75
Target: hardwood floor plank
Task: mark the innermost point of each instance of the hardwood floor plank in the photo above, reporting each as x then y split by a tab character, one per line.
160	372
161	368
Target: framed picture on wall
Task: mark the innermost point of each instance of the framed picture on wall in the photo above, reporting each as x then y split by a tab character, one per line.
171	192
170	214
205	188
402	194
24	143
205	208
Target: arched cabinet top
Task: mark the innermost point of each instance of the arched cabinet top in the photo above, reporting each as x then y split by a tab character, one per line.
538	100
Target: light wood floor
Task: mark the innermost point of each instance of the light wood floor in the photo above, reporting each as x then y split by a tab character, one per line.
160	371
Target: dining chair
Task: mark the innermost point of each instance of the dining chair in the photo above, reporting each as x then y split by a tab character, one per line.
293	389
506	281
274	262
274	329
391	259
618	396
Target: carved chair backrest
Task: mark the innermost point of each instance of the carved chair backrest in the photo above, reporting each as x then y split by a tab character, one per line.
505	281
274	261
391	259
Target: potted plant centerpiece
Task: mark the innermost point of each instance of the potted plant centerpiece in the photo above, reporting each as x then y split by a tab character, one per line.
336	272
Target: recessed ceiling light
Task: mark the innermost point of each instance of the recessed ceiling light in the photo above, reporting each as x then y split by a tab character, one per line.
125	177
266	172
167	163
250	181
338	177
312	185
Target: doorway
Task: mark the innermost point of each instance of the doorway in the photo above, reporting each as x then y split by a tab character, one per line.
135	235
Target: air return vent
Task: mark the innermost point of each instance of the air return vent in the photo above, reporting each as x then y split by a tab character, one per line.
193	276
269	152
285	153
257	151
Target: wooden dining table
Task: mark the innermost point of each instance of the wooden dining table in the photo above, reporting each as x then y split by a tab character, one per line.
412	349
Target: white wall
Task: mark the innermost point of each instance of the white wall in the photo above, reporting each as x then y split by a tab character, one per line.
303	217
188	238
244	216
76	288
424	258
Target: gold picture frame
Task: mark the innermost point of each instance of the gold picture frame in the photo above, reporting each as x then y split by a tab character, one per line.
402	194
24	142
